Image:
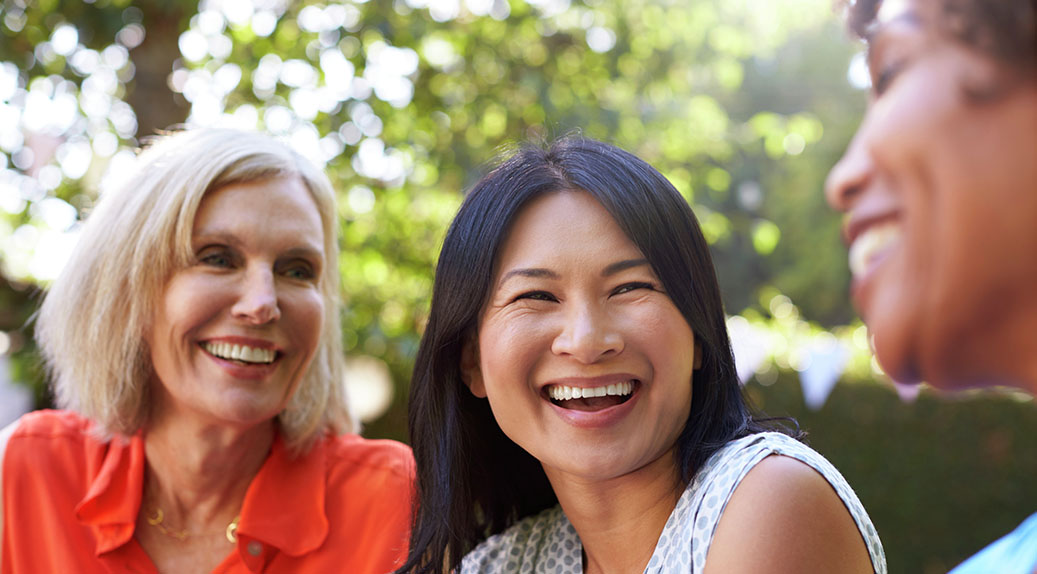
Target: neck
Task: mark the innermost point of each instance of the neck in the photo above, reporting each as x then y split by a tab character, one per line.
619	520
1004	354
198	474
1019	350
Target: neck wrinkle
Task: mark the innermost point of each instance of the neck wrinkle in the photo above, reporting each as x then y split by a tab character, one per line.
198	476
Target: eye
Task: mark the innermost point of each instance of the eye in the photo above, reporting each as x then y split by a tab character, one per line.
536	296
297	268
884	79
302	271
633	286
216	257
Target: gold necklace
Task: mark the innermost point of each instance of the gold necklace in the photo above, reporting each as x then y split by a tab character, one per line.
157	520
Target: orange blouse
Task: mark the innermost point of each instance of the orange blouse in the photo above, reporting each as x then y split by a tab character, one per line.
71	501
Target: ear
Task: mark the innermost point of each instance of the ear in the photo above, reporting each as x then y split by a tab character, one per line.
697	364
471	374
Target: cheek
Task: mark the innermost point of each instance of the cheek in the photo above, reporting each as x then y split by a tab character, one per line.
187	304
500	360
906	119
307	313
665	336
508	344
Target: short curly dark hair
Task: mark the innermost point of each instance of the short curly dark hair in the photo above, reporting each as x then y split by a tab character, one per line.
1003	30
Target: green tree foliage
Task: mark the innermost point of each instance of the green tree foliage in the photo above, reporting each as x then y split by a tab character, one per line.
407	102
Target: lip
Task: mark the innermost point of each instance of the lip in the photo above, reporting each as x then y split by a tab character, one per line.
237	340
859	220
594	419
239	370
877	207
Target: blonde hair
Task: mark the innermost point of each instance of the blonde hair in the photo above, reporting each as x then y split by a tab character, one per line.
93	319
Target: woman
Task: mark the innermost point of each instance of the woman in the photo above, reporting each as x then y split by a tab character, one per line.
193	340
940	190
576	355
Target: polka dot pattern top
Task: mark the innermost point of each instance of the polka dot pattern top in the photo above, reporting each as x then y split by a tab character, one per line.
548	544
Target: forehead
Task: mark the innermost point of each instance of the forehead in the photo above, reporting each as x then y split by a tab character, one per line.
894	13
564	224
890	10
281	204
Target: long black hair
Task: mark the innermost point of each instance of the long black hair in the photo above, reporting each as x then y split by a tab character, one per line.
472	480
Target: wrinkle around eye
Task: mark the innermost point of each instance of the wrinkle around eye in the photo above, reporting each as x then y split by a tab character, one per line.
633	287
535	295
300	270
216	257
511	304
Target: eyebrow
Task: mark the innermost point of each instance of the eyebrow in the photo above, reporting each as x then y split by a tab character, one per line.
542	273
305	250
619	266
304	253
535	272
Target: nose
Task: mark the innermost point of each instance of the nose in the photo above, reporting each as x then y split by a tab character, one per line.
851	174
588	335
257	301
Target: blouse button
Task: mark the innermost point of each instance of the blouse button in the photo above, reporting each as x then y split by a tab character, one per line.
255	548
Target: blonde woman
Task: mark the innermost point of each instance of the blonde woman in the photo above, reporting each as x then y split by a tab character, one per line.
193	343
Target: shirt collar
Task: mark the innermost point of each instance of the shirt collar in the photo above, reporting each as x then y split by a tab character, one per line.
284	504
112	500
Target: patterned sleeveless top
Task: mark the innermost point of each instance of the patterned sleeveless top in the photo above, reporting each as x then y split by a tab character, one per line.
548	544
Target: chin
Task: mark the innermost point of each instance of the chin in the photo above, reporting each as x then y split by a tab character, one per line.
590	465
893	350
248	414
953	375
944	373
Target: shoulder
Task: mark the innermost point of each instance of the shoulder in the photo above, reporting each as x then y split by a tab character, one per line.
794	506
547	539
38	439
730	464
52	424
49	435
58	448
373	459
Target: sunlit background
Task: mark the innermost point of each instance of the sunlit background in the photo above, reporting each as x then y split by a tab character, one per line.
742	104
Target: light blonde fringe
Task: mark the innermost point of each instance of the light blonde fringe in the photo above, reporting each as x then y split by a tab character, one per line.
92	322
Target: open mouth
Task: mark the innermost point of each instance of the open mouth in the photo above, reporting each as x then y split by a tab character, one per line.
591	398
240	354
872	245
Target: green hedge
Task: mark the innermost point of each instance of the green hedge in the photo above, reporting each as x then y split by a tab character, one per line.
941	477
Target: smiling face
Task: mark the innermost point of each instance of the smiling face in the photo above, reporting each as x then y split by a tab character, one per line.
585	360
940	190
235	331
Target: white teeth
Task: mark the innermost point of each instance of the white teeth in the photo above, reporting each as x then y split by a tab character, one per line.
869	244
241	353
565	393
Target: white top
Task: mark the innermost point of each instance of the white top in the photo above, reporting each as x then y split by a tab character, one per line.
548	544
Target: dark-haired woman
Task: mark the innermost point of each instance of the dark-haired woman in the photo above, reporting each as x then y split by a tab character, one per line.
940	190
574	406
